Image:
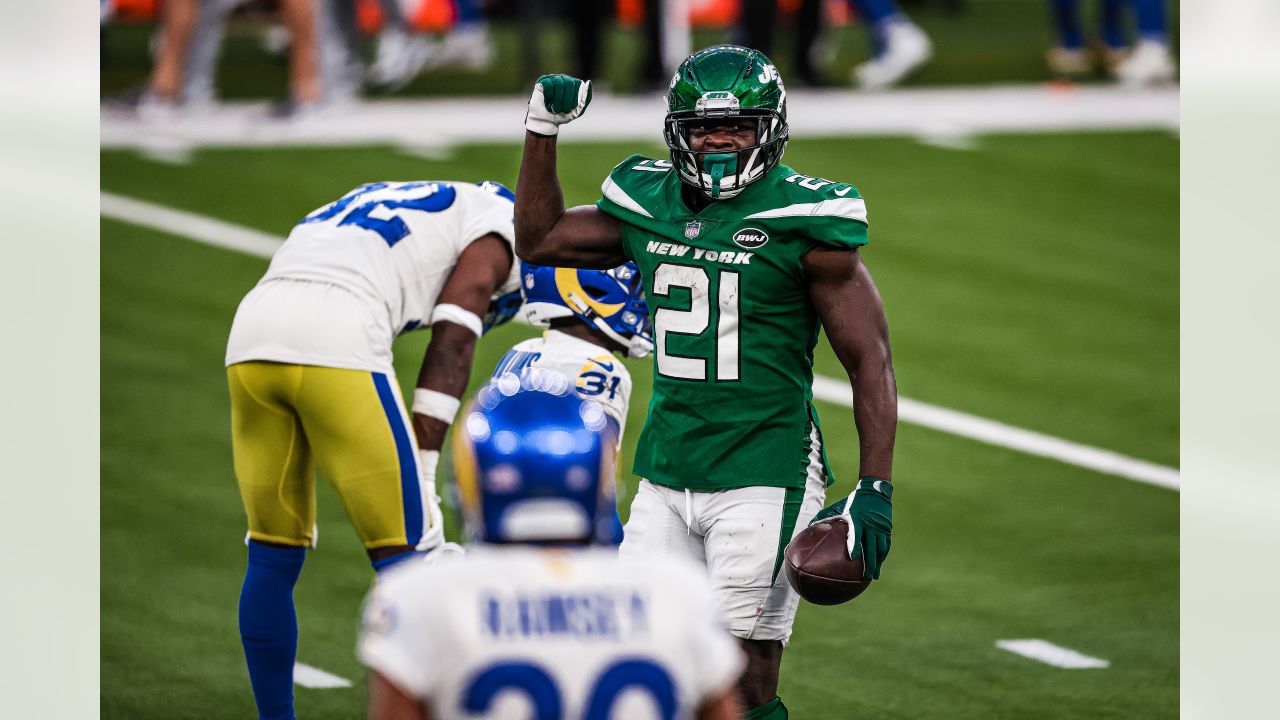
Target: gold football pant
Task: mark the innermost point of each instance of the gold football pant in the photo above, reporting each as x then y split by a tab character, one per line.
287	420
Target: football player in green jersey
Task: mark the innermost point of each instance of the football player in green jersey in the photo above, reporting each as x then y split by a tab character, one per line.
743	260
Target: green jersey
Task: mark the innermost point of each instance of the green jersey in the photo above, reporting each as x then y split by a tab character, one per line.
733	326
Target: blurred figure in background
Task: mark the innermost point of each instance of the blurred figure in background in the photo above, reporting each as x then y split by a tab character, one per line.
341	63
899	47
163	96
404	48
652	74
400	53
1071	57
1150	62
756	31
1146	62
190	42
587	18
537	608
467	46
306	86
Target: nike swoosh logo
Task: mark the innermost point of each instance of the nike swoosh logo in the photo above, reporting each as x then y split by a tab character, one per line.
608	366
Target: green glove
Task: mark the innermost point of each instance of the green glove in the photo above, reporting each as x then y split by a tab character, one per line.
557	99
869	512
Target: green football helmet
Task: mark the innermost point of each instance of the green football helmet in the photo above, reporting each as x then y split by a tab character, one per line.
721	82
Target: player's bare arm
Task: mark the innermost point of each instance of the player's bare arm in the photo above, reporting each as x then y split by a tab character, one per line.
388	702
546	232
852	314
481	269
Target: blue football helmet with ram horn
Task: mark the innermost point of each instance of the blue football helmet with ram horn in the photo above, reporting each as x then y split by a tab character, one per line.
505	303
611	301
535	463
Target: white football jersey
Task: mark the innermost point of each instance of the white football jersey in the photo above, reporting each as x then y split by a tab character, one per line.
523	632
398	243
385	251
592	369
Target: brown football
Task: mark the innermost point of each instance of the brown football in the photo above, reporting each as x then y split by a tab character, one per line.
818	565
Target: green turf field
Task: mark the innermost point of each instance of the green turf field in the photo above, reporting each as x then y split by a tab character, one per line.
1033	280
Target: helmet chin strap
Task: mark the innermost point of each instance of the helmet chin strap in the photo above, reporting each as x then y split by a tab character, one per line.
637	347
718	165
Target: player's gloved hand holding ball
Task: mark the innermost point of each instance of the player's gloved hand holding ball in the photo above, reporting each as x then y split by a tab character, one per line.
557	99
869	512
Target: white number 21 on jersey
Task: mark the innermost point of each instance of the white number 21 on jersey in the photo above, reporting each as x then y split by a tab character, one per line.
694	321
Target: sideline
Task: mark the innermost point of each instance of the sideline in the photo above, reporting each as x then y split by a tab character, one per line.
999	434
949	116
260	244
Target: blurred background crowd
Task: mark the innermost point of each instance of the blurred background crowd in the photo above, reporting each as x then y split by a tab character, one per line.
169	58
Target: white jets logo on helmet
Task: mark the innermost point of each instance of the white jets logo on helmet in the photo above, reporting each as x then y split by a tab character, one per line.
750	238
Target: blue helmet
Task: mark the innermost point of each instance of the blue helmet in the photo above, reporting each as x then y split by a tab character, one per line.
611	301
497	188
503	305
534	463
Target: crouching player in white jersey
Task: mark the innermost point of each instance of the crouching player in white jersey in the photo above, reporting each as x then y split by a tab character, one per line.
590	315
312	385
535	622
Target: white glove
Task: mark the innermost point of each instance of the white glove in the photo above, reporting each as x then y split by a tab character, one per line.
557	99
447	553
434	535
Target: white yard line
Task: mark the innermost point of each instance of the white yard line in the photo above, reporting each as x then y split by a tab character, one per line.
254	242
996	433
1050	654
190	225
946	115
311	677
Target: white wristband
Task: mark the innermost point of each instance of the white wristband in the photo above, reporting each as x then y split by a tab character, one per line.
459	316
435	404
